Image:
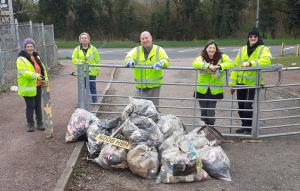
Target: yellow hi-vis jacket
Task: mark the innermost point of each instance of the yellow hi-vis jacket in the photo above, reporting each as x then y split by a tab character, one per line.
260	57
92	57
148	78
27	77
211	79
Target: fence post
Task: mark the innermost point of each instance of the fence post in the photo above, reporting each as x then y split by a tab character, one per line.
282	48
87	87
297	50
44	46
255	117
30	29
18	35
54	45
81	91
195	101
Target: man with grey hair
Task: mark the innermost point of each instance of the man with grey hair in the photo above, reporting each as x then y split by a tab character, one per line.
148	81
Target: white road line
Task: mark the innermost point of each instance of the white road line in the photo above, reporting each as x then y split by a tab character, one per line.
222	48
188	50
235	50
169	49
108	51
105	51
289	48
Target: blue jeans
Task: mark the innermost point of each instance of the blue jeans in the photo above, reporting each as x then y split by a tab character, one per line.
93	88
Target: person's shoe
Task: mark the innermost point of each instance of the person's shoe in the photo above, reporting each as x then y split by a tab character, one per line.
30	128
242	130
40	127
247	131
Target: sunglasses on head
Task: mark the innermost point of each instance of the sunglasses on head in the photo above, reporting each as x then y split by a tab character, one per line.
252	36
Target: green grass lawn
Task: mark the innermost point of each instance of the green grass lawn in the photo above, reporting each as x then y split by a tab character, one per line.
195	43
287	61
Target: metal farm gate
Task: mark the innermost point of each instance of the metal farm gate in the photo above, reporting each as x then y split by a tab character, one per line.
276	106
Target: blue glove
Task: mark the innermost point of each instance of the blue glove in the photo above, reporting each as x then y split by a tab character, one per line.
157	66
130	64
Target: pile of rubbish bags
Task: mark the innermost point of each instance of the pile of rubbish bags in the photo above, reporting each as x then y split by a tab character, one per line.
161	147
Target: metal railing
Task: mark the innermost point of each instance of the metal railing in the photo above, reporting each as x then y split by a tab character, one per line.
176	98
11	39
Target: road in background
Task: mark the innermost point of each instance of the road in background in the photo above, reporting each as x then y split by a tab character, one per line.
174	53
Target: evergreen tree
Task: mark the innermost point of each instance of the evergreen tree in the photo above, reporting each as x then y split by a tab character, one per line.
54	12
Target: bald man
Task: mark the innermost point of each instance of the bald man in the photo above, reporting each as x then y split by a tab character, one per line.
148	81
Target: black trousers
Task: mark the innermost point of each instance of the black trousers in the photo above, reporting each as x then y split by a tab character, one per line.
34	104
209	106
245	94
207	112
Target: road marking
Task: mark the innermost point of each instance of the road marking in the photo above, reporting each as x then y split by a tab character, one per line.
235	50
105	51
169	49
188	50
108	51
289	48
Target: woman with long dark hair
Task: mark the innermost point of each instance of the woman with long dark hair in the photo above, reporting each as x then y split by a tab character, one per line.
210	63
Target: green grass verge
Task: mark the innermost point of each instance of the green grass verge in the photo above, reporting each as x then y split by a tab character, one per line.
287	61
195	43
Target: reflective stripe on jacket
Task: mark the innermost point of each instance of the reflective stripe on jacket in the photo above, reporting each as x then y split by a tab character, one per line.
211	79
148	75
92	57
27	77
260	57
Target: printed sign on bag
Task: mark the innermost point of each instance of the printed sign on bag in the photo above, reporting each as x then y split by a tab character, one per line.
113	141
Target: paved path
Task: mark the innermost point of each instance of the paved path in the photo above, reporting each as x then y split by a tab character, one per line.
28	160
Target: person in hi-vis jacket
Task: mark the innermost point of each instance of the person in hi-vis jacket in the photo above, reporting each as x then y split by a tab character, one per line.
148	81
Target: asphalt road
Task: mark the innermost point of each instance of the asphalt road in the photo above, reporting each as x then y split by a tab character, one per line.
174	53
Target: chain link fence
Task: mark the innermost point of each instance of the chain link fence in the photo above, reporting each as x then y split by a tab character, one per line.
11	38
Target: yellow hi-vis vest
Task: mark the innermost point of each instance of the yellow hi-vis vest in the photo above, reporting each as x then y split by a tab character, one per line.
260	57
27	77
92	57
211	79
148	78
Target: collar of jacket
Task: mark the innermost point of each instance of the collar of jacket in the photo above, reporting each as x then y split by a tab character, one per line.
24	54
81	47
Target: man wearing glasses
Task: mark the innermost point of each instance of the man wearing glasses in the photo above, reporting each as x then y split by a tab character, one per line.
252	55
148	81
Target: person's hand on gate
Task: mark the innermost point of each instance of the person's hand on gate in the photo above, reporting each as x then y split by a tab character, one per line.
212	67
130	64
246	64
157	66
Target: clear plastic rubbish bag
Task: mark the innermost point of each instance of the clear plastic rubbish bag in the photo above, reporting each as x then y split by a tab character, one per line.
196	138
178	166
112	158
140	107
215	162
78	124
149	134
168	124
166	175
143	161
